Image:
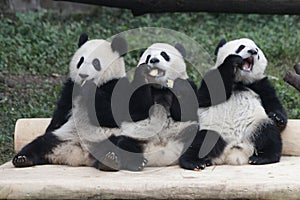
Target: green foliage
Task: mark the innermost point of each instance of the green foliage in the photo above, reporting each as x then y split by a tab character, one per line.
37	44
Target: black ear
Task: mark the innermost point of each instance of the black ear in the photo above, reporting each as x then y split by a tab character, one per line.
119	45
142	52
221	43
181	49
82	39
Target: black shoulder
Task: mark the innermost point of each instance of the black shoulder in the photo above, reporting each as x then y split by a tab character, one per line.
63	107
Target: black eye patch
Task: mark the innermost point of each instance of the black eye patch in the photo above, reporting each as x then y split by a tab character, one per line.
148	58
80	62
165	56
240	49
96	64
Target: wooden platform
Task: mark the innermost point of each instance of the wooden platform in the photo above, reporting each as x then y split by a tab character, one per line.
274	181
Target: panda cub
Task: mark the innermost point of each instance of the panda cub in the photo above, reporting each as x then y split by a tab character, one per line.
95	69
240	116
172	120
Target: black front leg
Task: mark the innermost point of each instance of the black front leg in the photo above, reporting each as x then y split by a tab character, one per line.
270	102
131	154
205	146
184	100
216	86
63	107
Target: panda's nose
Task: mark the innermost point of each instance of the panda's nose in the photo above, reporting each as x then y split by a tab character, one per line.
154	60
83	76
252	51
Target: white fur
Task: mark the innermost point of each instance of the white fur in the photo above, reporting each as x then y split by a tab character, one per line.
237	119
110	62
260	61
241	115
175	68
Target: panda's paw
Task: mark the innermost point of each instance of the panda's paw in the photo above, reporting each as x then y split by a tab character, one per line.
143	165
138	163
197	164
22	161
262	160
234	61
279	119
110	162
141	72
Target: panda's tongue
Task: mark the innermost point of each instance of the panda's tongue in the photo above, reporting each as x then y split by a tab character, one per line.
247	64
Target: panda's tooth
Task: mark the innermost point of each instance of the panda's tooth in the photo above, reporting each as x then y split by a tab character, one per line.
153	72
170	83
83	82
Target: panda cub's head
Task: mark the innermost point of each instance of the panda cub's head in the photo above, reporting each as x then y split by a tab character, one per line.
254	60
166	62
98	60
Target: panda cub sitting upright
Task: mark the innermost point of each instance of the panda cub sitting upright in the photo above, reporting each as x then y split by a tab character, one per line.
240	116
172	121
95	69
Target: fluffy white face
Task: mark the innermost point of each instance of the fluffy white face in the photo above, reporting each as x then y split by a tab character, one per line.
166	63
95	60
254	63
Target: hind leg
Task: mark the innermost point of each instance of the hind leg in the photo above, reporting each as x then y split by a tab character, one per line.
268	146
206	145
105	154
131	154
35	152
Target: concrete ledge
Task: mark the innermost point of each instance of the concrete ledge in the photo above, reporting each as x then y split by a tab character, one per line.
274	181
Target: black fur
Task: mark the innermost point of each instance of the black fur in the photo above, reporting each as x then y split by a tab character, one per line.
241	47
221	43
270	102
181	49
63	108
185	102
101	100
119	45
268	145
216	81
82	39
34	152
267	138
211	144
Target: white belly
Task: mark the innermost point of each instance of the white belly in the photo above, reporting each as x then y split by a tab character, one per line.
236	120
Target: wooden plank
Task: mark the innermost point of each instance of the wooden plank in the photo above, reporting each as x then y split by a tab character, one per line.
139	7
28	129
274	181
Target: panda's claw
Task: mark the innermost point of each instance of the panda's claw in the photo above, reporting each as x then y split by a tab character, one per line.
110	162
278	119
197	164
22	161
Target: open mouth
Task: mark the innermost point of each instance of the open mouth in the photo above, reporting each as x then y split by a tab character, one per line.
248	64
156	72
